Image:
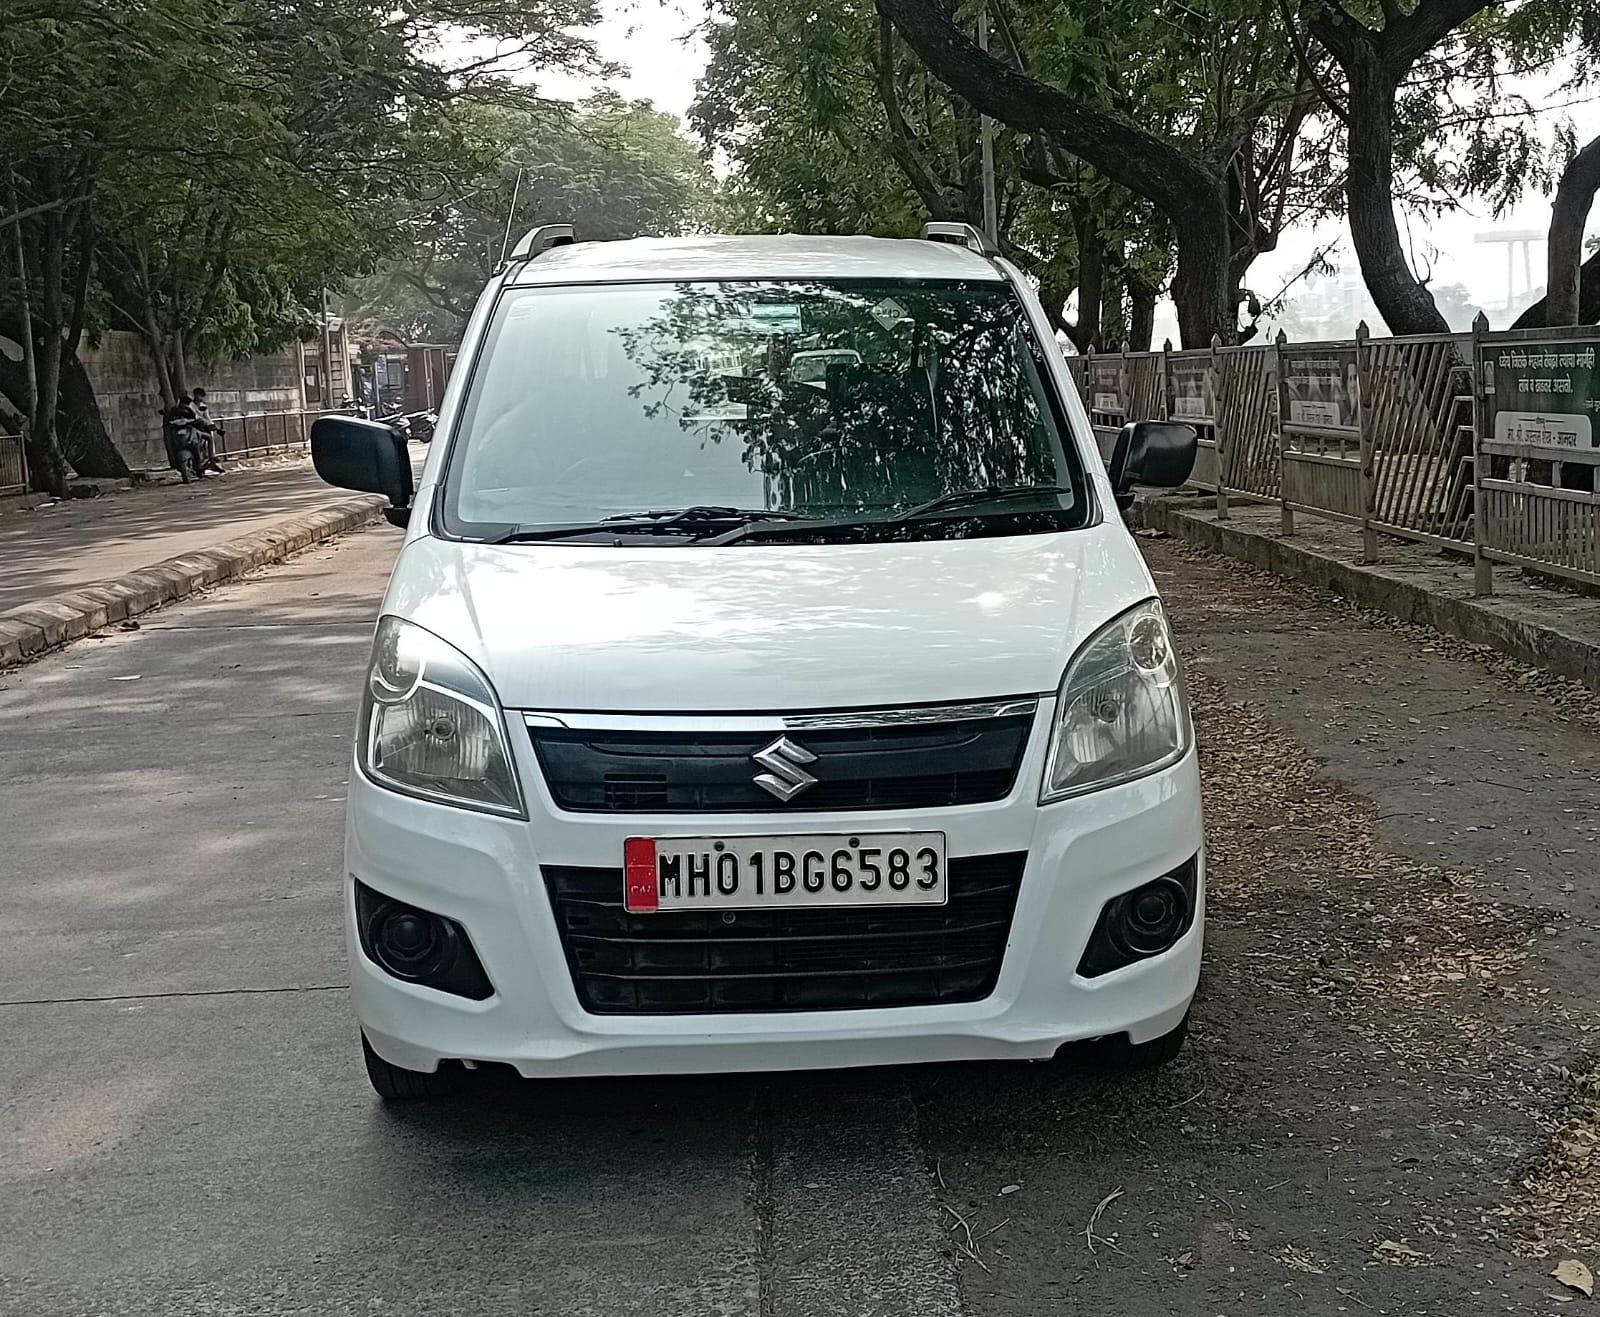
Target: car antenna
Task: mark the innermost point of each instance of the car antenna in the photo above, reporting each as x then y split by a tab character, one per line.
511	215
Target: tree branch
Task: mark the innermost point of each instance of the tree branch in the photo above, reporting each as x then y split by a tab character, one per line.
1116	146
1408	37
924	181
1302	59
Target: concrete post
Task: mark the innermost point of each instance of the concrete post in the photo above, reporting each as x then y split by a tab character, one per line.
1285	512
1482	568
1366	445
1214	378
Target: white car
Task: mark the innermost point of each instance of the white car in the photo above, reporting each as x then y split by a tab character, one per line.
716	722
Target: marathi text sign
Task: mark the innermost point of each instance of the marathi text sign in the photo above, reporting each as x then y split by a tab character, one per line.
1321	388
1546	395
1105	386
1191	389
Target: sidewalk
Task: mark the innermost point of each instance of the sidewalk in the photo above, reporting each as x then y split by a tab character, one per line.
72	567
1545	625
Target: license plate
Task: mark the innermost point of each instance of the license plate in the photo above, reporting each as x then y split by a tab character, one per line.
761	873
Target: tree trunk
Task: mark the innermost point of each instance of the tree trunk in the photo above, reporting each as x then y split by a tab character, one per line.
1200	286
1091	285
1141	315
45	460
1574	196
83	438
1405	304
1053	293
1588	300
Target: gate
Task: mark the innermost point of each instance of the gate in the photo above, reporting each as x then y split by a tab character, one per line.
13	465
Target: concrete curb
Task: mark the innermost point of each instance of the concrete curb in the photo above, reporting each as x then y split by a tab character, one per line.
1498	623
47	623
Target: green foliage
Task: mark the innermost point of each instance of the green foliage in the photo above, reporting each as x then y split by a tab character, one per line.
612	169
237	155
829	126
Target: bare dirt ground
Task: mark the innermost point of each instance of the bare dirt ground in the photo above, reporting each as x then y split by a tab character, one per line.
1390	1098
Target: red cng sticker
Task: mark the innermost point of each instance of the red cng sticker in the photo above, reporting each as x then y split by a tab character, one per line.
639	867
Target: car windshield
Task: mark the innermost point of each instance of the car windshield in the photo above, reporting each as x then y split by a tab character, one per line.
845	403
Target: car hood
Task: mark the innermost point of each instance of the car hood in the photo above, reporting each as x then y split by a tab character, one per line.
769	628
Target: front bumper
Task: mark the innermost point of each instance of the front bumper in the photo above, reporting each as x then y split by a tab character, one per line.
484	872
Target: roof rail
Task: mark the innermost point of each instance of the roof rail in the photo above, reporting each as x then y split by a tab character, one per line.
542	239
960	233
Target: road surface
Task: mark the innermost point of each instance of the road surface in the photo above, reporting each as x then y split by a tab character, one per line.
1388	1103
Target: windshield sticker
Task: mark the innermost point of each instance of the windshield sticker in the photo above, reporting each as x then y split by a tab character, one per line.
889	313
770	319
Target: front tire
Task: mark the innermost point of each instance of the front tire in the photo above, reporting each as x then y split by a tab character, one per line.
394	1084
1120	1054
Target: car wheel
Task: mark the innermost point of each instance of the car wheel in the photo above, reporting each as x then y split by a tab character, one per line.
1120	1054
394	1084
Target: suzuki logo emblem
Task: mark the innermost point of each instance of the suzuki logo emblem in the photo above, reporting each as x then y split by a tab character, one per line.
786	777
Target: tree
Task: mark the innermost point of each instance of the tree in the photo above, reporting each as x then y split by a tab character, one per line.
189	167
1422	94
1201	164
832	127
83	88
833	123
1588	299
613	169
1374	61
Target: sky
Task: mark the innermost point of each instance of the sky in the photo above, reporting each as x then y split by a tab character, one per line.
654	40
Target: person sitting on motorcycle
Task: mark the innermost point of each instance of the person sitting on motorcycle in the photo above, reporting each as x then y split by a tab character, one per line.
184	443
206	428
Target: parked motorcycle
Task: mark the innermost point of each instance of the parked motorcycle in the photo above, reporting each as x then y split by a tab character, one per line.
400	423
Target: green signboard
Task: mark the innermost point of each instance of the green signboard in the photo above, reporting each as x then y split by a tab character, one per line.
1546	396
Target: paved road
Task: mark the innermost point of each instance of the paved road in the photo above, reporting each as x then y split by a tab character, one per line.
67	545
1384	1106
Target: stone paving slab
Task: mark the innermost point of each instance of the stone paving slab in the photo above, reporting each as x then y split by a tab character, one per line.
42	624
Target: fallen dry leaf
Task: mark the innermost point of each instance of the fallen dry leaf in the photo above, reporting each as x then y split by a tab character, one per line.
1397	1254
1575	1276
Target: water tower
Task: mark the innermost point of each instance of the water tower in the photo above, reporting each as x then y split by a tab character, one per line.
1513	240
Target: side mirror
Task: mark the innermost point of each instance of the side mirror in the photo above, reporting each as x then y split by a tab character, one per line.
364	455
1151	453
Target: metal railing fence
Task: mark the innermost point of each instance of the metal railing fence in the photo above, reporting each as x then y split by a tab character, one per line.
256	434
1484	444
13	465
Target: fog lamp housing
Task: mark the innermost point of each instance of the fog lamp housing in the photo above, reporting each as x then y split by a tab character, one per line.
1144	922
418	946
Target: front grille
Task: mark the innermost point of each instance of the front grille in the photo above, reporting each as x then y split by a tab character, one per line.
687	963
924	765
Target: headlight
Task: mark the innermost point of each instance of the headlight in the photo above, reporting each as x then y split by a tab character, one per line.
1121	712
431	725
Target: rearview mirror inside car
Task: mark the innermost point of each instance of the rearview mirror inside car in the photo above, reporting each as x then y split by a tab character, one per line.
1151	453
364	455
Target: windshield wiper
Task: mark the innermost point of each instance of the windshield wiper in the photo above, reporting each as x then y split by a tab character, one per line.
702	512
701	519
962	497
954	499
